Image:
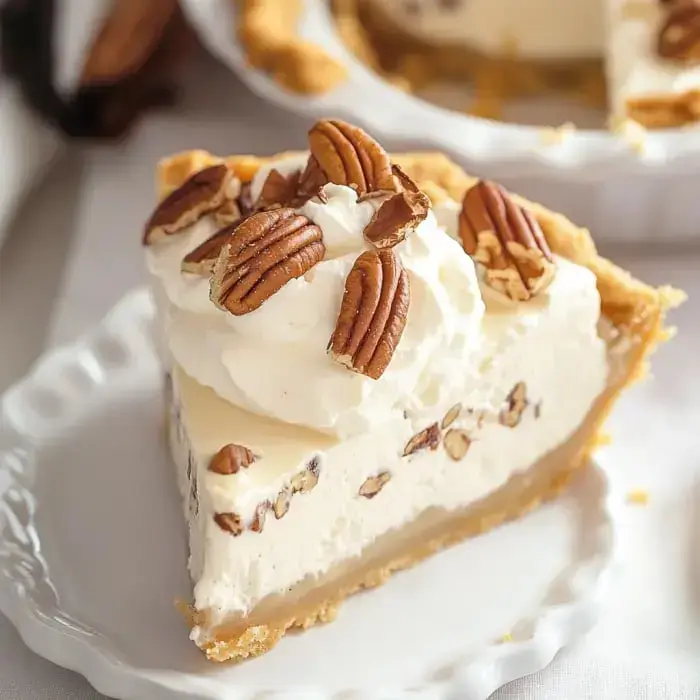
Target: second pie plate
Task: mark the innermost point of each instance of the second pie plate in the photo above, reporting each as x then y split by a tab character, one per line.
93	555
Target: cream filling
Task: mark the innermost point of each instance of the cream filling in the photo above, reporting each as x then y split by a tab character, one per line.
554	349
532	29
633	67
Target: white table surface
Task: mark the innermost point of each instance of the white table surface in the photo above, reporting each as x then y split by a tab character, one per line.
74	250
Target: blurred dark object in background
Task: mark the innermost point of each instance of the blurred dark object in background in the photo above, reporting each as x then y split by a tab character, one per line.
132	64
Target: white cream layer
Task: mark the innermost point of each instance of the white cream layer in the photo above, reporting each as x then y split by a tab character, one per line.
634	69
279	388
535	29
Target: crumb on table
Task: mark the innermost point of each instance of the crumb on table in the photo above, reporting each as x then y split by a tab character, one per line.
638	497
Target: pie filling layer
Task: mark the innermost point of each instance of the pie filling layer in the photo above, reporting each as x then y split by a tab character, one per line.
227	632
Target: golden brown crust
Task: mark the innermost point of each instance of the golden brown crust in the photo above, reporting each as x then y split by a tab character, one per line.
665	111
636	310
267	32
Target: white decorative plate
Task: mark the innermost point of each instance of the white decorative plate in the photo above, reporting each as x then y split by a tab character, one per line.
93	553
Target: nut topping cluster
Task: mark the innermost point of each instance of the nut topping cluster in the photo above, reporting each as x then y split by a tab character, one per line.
506	240
262	245
679	36
457	440
301	483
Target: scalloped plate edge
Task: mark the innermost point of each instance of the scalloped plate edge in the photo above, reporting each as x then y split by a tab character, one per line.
51	634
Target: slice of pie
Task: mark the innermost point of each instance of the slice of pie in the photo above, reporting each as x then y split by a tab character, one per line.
369	358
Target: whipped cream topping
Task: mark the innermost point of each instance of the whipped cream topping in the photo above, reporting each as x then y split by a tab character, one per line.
536	29
273	361
634	69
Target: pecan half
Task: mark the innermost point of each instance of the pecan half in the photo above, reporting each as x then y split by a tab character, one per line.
429	438
200	261
451	416
229	522
374	484
679	36
506	240
202	193
230	459
396	218
280	190
372	314
349	156
267	250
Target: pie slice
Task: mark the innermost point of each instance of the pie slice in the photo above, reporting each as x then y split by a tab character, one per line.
369	358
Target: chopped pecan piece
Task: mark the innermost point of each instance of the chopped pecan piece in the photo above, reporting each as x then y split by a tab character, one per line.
305	481
372	314
259	518
245	199
428	438
349	156
281	504
280	190
267	250
201	260
228	213
515	405
202	193
457	442
230	459
229	522
506	240
396	218
312	180
374	484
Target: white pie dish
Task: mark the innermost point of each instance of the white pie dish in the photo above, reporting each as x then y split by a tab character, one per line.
83	473
600	179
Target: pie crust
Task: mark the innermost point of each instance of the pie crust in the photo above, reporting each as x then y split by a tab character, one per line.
634	313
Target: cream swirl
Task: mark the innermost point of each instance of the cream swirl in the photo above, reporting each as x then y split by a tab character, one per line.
273	360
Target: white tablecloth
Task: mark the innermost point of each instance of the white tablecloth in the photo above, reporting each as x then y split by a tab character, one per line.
75	250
